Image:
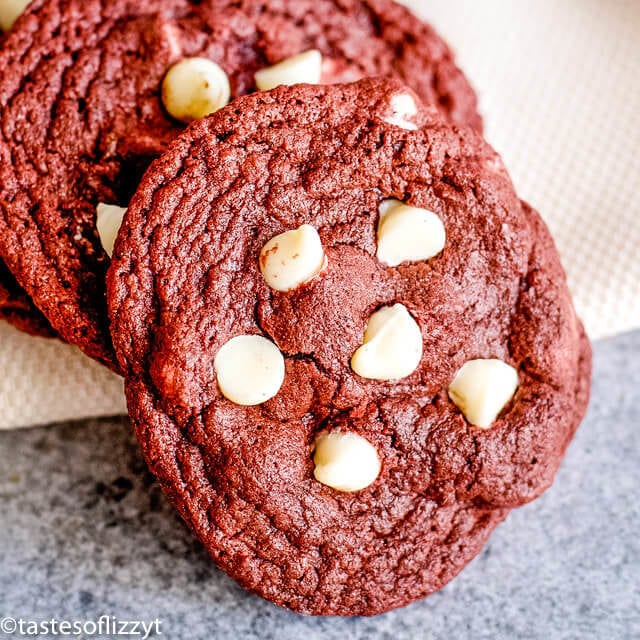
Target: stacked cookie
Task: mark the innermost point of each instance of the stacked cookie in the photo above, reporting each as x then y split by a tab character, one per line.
349	349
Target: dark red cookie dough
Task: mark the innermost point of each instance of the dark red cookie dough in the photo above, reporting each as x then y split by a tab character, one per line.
185	279
17	308
15	305
81	115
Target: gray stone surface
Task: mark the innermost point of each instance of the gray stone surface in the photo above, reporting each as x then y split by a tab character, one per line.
84	531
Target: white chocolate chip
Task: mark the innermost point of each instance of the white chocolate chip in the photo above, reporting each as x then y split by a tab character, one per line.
404	110
392	345
108	223
481	390
193	88
250	370
10	11
171	34
408	233
345	461
292	258
305	67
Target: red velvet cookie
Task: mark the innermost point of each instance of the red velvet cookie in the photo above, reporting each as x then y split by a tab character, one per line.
15	305
349	348
85	107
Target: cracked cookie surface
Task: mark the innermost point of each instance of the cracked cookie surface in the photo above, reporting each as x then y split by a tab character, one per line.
186	279
82	115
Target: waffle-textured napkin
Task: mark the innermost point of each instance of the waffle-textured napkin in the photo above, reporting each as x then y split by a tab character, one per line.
559	85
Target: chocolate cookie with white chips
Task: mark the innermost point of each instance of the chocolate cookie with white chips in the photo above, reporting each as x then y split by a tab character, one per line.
92	90
349	349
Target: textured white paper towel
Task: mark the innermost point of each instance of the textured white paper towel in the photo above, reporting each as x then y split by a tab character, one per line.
559	83
559	86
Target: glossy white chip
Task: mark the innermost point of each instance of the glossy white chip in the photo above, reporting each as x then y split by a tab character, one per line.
345	461
403	111
408	234
303	68
482	388
10	11
108	223
392	345
292	258
250	370
194	88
